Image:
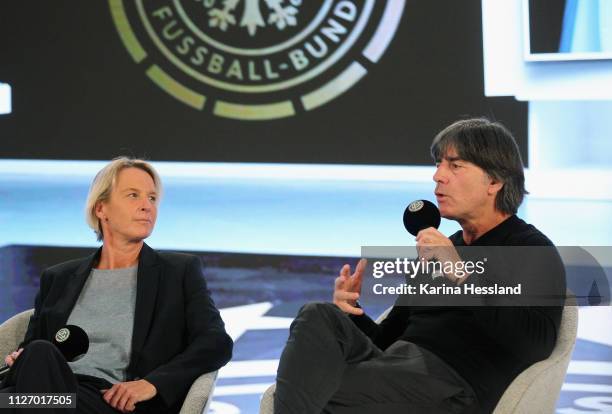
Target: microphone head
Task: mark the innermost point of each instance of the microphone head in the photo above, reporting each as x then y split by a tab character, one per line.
419	215
72	341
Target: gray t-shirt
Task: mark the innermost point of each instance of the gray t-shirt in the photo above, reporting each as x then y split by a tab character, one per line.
105	310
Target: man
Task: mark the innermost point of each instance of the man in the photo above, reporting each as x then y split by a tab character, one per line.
152	325
429	359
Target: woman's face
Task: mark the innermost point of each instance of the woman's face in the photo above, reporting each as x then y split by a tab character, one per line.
130	212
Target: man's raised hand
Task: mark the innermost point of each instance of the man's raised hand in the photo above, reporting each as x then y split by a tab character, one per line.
347	288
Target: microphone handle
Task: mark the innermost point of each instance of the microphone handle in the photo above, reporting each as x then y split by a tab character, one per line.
435	274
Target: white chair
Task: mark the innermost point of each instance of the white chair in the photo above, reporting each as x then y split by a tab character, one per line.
197	400
535	390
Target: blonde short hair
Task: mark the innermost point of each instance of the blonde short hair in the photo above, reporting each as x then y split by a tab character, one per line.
103	184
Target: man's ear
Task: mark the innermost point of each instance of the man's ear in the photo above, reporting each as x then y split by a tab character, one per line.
495	185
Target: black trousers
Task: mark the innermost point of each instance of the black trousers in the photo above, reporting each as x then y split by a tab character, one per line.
330	366
41	368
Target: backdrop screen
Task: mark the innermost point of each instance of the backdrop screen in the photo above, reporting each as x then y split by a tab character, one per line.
334	81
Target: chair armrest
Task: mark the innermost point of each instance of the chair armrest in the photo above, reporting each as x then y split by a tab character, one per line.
266	406
12	332
199	395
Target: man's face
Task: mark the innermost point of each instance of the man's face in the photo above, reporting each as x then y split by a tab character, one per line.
463	190
130	212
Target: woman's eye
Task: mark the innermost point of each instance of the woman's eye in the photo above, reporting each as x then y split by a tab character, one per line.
153	199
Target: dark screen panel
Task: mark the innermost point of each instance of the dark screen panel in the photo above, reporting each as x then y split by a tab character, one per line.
78	94
545	25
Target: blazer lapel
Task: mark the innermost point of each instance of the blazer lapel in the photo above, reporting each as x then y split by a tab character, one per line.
149	271
71	293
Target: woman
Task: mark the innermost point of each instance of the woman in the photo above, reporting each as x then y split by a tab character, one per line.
152	325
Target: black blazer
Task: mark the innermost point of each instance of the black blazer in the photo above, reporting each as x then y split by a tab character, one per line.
178	332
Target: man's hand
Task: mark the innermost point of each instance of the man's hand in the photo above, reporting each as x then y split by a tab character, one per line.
123	396
347	288
12	357
433	245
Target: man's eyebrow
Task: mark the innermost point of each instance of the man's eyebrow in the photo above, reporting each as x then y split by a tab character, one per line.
449	159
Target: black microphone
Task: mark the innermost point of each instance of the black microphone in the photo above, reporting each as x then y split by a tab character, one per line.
419	215
71	340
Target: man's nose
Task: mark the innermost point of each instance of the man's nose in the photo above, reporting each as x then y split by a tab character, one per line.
440	174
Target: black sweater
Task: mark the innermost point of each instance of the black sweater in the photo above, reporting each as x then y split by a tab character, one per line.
487	346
